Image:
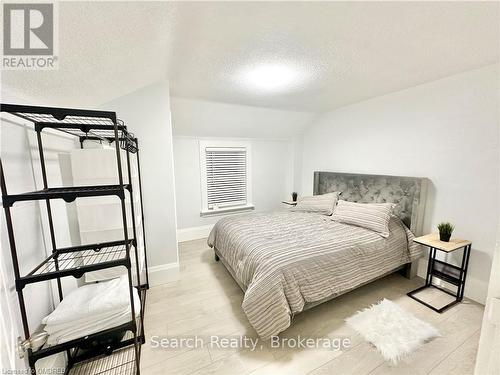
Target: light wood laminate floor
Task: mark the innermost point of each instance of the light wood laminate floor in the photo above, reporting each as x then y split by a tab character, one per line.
207	301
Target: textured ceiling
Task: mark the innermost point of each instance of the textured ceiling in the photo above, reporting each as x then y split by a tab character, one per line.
345	51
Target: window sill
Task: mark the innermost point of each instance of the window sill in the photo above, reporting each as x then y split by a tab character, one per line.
229	210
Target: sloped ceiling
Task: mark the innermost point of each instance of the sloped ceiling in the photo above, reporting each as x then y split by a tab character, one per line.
346	51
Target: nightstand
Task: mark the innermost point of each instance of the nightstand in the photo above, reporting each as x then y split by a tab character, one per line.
442	270
290	203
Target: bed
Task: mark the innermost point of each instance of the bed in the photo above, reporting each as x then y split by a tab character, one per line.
287	262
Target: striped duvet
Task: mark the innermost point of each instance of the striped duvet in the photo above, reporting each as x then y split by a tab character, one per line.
287	259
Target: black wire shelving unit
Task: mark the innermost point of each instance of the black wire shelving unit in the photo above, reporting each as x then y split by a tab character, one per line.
77	260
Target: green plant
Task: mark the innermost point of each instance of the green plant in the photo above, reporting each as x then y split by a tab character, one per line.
446	229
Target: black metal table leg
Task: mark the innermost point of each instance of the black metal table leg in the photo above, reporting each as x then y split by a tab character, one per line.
463	273
430	264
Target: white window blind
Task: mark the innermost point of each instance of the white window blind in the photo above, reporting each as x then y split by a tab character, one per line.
226	177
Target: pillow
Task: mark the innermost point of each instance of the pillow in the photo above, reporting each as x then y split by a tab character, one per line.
373	216
322	204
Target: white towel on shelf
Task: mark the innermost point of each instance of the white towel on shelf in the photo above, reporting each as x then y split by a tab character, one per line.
98	320
91	301
82	330
90	309
53	328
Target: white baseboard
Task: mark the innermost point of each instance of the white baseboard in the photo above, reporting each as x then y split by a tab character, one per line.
193	233
163	274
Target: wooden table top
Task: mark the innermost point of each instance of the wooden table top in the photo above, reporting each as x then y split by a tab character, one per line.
432	240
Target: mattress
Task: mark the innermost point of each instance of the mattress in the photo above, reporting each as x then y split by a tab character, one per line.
287	260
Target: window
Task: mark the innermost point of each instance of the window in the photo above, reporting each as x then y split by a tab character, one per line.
225	176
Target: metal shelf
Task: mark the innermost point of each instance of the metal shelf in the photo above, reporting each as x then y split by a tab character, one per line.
58	348
121	362
69	194
80	356
85	124
446	272
76	261
49	115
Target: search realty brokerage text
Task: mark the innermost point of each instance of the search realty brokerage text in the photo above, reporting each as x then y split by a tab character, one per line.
250	343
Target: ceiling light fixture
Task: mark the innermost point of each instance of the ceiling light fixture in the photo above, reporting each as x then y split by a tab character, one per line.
271	77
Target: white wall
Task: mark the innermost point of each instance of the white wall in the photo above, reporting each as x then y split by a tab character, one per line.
146	112
446	130
271	133
201	118
271	178
487	360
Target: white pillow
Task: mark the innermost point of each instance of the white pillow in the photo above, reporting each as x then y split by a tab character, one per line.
373	216
322	204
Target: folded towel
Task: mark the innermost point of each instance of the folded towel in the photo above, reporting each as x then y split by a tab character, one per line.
91	301
100	319
78	330
90	309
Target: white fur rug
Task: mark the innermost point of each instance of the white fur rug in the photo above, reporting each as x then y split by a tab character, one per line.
394	331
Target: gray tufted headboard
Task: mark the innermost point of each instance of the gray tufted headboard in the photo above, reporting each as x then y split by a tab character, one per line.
408	193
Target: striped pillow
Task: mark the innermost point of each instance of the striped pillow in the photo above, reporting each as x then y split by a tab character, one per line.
373	216
322	204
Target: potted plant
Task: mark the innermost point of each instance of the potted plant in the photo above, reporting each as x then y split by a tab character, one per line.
445	230
294	196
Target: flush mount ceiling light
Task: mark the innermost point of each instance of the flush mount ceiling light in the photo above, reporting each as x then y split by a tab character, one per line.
271	77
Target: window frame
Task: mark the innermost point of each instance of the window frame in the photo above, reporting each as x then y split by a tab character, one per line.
203	145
